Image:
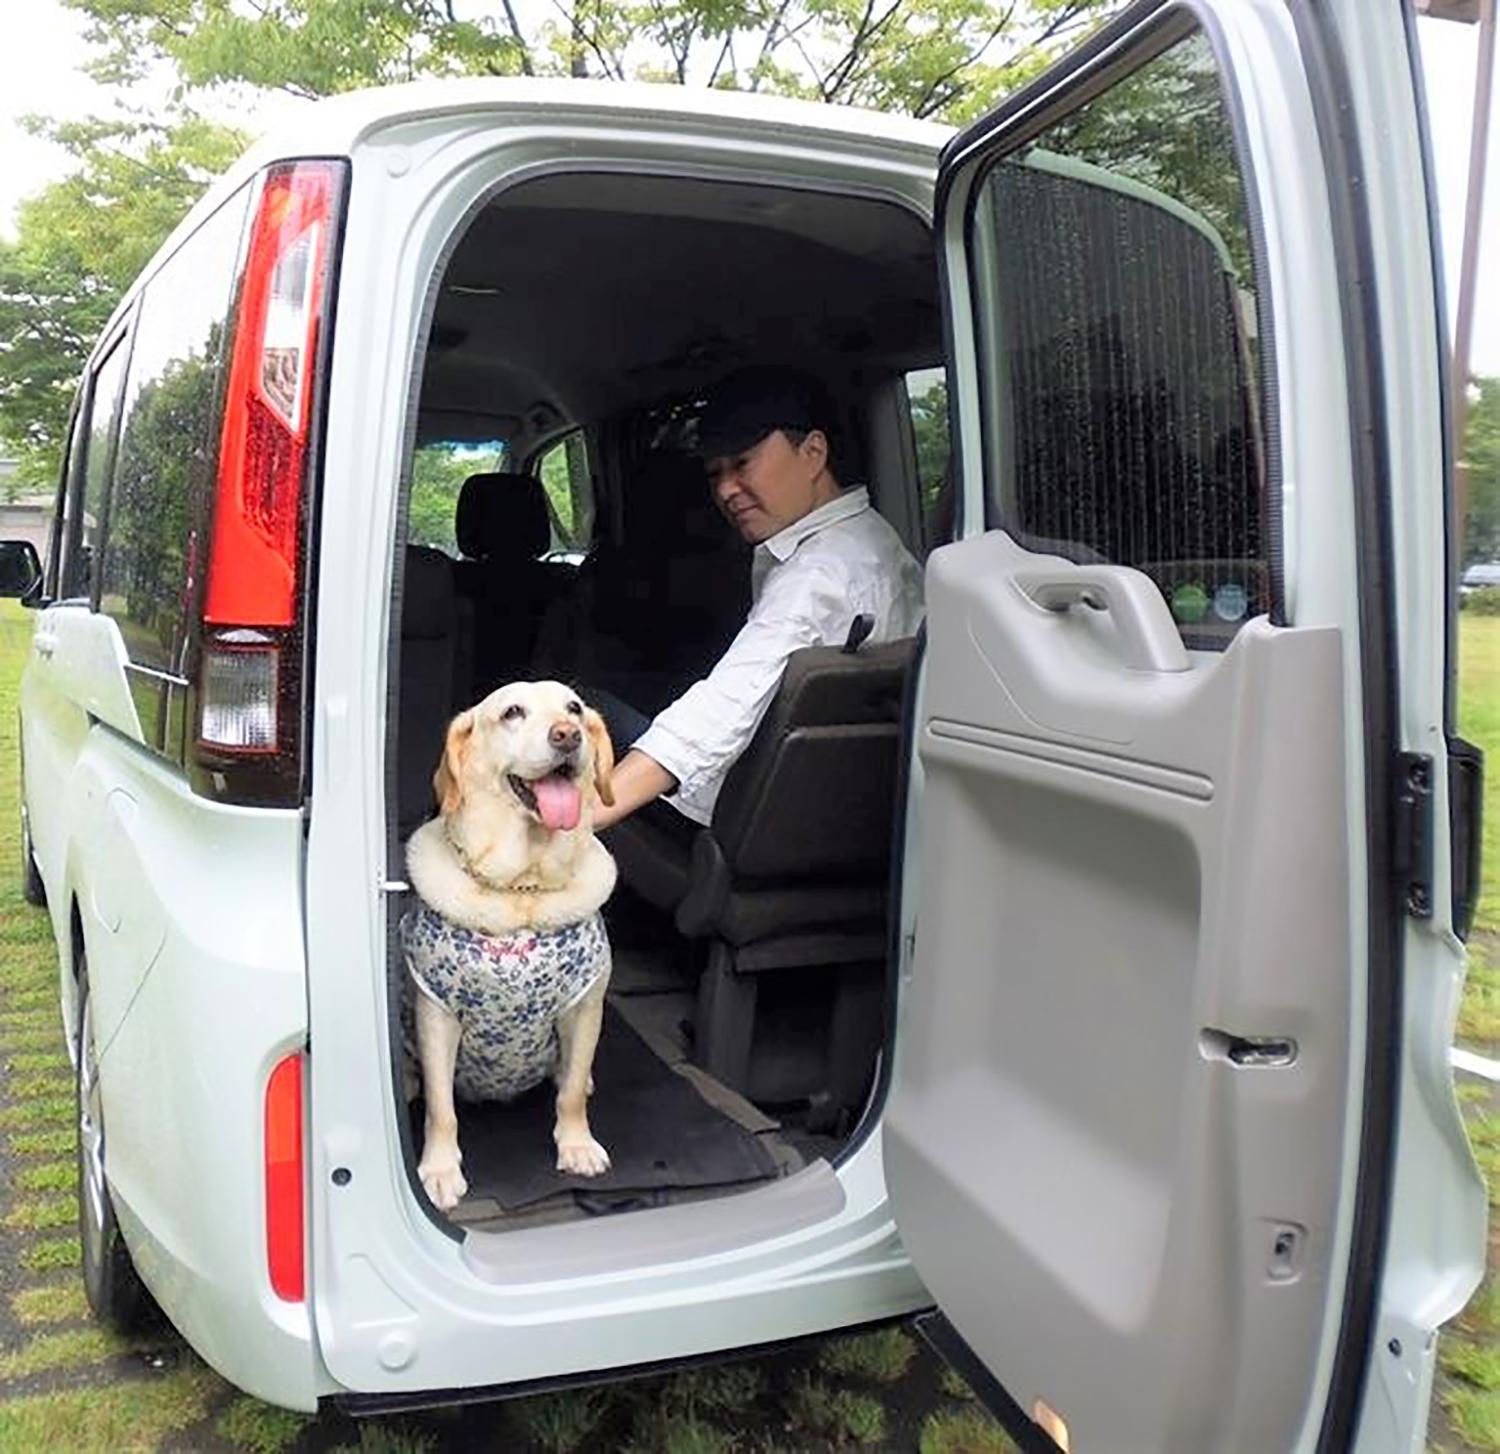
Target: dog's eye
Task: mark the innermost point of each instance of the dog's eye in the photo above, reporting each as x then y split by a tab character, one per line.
576	708
513	713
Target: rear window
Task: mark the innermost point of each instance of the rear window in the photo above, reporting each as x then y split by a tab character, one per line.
438	472
165	466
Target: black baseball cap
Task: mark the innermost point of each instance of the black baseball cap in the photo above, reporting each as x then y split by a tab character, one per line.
752	402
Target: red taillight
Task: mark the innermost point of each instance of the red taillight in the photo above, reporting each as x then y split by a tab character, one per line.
283	1153
251	600
252	568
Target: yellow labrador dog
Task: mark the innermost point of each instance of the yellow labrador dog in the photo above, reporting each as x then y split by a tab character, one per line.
507	950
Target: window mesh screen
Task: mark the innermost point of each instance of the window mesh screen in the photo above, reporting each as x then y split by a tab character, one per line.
1123	374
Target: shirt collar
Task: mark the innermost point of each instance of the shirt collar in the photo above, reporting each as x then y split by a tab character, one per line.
848	503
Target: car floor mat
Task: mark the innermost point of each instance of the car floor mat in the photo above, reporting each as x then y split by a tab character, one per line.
661	1135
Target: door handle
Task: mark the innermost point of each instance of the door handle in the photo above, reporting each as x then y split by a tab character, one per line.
1147	631
45	646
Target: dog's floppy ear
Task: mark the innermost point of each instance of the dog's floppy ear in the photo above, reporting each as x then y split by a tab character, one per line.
447	781
604	755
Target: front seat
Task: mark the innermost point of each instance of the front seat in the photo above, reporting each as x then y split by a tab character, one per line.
792	872
502	531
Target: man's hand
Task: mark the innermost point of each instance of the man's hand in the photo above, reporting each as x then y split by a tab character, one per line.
636	780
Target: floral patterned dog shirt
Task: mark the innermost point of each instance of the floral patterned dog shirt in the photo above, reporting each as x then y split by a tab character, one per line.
506	991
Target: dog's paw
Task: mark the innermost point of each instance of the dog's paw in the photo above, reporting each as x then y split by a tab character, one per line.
442	1181
584	1157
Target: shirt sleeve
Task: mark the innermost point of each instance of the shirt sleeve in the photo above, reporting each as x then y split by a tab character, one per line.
699	736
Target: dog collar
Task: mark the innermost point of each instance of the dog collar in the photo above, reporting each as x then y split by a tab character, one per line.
474	873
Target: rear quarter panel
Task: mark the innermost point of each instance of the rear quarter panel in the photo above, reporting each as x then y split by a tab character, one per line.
192	919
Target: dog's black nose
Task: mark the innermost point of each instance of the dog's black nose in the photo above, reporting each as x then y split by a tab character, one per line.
564	736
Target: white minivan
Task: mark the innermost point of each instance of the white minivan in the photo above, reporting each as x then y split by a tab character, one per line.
1080	974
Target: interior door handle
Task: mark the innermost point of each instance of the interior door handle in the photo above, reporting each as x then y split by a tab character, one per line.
1148	634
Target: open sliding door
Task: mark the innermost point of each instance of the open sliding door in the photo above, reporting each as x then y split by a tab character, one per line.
1141	1135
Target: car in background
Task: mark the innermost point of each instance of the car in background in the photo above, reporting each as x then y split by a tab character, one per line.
1481	576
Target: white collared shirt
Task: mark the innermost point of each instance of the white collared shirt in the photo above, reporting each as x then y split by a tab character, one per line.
808	583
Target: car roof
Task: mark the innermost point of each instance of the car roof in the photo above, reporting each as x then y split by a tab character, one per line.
335	126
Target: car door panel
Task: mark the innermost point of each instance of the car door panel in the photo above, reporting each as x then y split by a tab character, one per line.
1073	897
1144	1110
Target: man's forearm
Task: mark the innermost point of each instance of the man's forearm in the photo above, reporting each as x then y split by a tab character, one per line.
636	780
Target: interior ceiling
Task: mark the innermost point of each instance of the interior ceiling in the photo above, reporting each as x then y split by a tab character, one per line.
587	295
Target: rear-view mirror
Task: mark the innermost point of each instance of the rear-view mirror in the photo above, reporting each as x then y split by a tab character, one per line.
20	569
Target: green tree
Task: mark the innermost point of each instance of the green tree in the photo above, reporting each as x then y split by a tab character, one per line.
438	473
1482	455
82	239
79	243
923	57
929	423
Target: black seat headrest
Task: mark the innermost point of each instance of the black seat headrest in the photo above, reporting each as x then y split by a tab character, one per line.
502	517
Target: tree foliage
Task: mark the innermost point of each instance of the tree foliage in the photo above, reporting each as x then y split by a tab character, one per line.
80	242
923	57
1482	455
82	239
438	473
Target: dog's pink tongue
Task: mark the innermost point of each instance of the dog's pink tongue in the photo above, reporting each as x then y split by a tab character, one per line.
557	801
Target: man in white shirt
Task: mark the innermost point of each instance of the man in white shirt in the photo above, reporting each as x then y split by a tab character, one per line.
823	556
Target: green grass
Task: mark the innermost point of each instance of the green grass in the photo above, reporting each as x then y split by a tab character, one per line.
76	1348
1477	1364
52	1302
35	997
1484	1137
49	1255
562	1422
963	1431
42	1214
48	1176
1479	1011
882	1357
389	1438
260	1428
129	1417
1475	1416
41	1037
676	1434
730	1388
50	1142
50	1087
839	1414
48	1062
1479	721
29	1021
38	1115
954	1386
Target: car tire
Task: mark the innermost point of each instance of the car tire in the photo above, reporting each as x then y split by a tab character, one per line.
113	1286
33	890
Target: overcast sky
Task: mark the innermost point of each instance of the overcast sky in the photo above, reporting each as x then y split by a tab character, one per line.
44	48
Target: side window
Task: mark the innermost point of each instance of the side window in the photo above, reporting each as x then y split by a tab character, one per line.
568	481
166	462
438	472
1121	317
927	398
99	451
68	493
